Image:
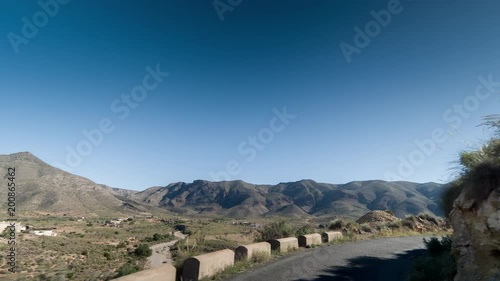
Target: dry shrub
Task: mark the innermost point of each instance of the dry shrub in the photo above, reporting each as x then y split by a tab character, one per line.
480	175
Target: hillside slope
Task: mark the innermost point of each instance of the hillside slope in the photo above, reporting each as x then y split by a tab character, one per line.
42	189
294	199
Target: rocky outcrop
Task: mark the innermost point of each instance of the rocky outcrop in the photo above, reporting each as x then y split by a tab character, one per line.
377	216
476	241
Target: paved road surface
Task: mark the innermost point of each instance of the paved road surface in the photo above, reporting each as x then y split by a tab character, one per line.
386	259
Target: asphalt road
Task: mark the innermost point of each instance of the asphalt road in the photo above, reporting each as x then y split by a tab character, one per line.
386	259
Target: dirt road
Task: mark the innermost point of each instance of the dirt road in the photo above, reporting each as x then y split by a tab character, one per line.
161	252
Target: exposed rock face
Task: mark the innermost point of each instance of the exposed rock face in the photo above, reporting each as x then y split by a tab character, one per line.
476	241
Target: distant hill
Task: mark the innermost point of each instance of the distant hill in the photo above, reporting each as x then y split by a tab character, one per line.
45	189
294	199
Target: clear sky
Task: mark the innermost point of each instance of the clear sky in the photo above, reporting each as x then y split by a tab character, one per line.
357	93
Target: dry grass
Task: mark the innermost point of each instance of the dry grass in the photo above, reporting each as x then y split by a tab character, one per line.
480	174
97	252
79	252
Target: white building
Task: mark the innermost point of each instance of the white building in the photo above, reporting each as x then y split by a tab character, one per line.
44	232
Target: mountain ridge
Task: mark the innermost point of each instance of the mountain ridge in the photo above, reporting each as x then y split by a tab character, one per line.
54	190
308	197
43	189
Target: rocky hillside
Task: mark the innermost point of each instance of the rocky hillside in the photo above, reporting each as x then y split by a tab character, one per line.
42	189
476	237
296	199
475	213
45	189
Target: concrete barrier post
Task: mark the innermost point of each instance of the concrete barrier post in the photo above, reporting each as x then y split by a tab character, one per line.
246	252
207	265
309	240
284	245
331	236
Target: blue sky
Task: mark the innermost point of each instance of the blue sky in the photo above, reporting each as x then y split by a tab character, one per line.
354	120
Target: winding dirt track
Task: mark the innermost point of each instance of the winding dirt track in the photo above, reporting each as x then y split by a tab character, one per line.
161	253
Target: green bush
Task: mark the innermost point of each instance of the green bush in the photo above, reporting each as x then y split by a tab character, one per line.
436	248
441	268
107	255
336	225
341	224
143	251
428	217
127	269
158	237
367	228
409	222
438	265
276	230
450	194
394	224
303	230
282	229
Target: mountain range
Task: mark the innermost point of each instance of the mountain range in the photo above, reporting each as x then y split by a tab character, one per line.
43	189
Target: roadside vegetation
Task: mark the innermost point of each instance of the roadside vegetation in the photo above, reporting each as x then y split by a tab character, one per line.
437	265
281	228
84	250
378	224
479	170
89	250
479	174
